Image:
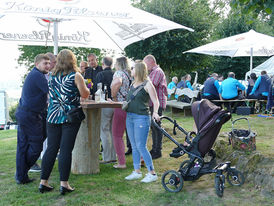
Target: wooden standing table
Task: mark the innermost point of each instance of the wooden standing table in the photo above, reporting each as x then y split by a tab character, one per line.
85	155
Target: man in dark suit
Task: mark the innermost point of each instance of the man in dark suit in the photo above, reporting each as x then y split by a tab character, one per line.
92	71
31	116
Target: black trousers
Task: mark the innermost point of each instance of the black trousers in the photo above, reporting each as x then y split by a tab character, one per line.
30	137
157	135
211	97
259	97
60	136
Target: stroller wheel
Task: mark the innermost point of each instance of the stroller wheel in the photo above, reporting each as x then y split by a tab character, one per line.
219	186
172	181
235	177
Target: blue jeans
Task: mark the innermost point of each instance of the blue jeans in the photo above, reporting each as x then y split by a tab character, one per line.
137	129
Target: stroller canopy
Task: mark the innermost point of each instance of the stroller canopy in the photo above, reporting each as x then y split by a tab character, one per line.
203	111
209	119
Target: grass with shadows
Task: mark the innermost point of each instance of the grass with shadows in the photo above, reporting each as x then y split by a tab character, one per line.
109	187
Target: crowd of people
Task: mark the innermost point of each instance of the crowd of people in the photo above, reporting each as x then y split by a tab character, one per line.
215	88
56	85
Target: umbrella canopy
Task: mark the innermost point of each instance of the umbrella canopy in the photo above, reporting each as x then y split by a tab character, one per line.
79	23
268	66
249	43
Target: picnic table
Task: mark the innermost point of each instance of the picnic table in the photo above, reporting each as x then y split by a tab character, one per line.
85	155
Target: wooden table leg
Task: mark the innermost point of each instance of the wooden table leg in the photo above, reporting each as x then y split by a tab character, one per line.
85	155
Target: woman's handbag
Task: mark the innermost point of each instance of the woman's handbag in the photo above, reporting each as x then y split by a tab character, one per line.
126	103
74	115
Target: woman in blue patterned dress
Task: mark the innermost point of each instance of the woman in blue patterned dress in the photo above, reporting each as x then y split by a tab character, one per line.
66	84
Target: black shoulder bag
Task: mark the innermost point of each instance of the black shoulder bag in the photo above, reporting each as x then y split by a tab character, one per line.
75	115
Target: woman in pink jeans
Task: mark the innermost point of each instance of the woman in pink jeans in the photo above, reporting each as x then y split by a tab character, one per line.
119	89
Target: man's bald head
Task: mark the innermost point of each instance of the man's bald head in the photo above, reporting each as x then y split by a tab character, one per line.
150	62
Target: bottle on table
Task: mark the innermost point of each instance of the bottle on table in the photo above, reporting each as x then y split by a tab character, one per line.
106	92
98	93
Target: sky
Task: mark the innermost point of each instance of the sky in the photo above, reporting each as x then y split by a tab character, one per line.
10	72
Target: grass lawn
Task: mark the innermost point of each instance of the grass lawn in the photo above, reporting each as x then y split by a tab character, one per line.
109	187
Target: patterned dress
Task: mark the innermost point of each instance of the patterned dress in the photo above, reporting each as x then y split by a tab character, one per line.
122	93
66	92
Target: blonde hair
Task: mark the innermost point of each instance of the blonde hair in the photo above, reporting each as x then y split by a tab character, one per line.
122	63
141	73
66	63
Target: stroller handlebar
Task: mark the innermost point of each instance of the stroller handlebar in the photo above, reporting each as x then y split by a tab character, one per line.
173	122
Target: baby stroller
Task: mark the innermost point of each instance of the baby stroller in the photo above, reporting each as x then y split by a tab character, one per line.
209	119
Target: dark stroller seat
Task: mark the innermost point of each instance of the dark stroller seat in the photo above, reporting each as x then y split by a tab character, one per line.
209	119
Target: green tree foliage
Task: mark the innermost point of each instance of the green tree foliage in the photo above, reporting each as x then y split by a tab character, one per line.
232	25
12	111
254	7
28	54
168	47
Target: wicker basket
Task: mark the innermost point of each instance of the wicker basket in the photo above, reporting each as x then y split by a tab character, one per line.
241	139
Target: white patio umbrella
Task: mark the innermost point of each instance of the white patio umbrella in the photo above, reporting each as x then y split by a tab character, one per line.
268	66
78	23
249	43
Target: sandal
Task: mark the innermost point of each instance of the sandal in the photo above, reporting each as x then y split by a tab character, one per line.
117	166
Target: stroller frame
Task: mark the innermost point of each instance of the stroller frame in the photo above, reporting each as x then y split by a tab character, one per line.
196	167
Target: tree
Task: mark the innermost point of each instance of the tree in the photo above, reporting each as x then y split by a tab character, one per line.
28	54
263	7
232	25
12	111
168	47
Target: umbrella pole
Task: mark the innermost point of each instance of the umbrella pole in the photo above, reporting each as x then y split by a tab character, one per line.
108	35
55	34
251	59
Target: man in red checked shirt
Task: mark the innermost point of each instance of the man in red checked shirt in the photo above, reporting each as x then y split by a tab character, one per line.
158	78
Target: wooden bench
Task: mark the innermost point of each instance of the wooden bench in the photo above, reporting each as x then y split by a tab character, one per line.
179	106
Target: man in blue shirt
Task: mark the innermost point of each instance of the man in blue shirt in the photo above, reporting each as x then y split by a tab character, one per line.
31	115
211	88
261	87
229	87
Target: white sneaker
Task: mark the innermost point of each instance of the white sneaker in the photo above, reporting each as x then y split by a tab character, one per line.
149	178
134	176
